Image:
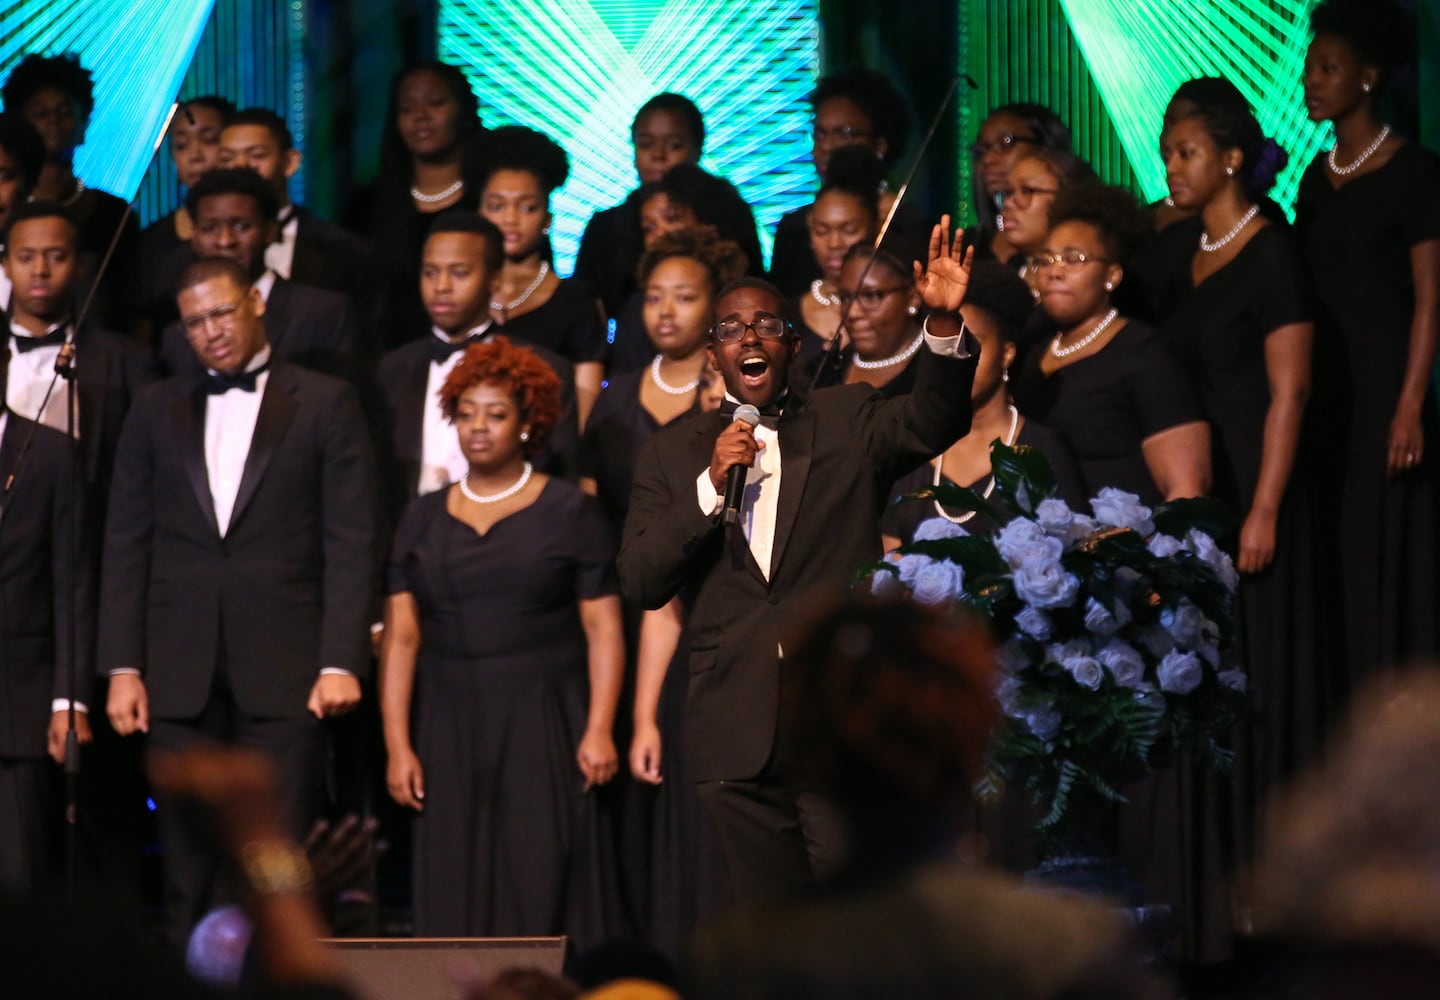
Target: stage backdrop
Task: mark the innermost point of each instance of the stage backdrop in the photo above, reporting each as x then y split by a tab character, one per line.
578	70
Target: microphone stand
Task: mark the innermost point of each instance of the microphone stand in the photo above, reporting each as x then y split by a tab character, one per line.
831	354
65	369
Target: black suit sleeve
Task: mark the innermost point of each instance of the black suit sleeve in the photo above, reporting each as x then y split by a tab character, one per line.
665	530
904	431
129	525
74	580
349	503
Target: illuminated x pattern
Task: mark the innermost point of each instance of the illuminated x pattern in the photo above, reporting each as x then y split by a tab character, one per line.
137	51
578	70
1140	50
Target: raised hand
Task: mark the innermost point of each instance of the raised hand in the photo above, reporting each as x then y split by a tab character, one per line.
943	281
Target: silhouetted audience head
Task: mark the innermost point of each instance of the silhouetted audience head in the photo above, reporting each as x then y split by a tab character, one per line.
57	95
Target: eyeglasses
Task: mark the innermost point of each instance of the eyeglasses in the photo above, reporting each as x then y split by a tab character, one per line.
1069	257
1024	194
870	299
730	331
220	315
999	144
841	133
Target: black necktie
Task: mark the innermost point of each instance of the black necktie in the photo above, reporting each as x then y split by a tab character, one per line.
217	383
442	350
54	338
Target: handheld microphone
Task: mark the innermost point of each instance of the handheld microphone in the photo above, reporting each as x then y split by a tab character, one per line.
735	478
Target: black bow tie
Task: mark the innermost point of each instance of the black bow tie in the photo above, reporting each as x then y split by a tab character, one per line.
443	350
54	338
728	407
217	383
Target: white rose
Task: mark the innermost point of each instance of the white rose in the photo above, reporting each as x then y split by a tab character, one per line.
1185	624
911	565
1011	656
1016	538
1034	623
938	583
1044	723
1007	693
1213	556
1123	510
886	585
937	529
1124	662
1179	673
1086	670
1041	580
1058	652
1164	546
1059	521
1100	620
1155	640
1233	679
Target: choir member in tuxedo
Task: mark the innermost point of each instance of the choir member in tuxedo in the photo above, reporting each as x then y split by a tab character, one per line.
841	450
57	94
42	264
195	150
235	217
856	107
22	155
45	602
668	130
238	567
460	265
306	249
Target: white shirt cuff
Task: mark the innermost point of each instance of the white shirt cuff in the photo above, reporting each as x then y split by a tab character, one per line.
63	705
706	496
125	670
336	670
946	347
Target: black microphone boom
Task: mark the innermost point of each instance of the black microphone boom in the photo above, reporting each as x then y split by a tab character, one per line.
735	478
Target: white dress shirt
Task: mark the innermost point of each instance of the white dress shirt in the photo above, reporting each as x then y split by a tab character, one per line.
280	255
264	285
441	460
4	287
229	426
30	376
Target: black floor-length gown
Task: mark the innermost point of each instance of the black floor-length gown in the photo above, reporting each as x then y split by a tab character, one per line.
1285	615
1356	240
507	844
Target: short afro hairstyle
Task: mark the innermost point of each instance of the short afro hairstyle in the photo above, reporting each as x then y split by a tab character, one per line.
723	259
677	104
858	172
266	119
520	372
714	200
877	97
783	308
204	269
35	73
22	141
234	180
458	220
515	147
29	210
1112	211
998	292
1382	36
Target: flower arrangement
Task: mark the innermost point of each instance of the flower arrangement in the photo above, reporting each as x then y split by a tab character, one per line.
1115	632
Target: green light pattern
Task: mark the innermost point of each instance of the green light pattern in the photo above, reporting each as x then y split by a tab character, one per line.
1140	50
579	69
138	51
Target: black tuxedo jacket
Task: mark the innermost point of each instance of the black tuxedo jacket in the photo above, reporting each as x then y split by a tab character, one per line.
313	327
332	257
839	455
110	372
403	375
288	588
40	600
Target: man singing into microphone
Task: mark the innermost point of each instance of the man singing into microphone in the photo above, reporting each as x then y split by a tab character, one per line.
816	476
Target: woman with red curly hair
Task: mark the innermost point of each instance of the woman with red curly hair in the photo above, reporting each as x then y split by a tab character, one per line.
502	593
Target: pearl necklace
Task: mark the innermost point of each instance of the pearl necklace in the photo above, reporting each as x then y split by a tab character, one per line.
1083	342
893	359
1206	246
1350	168
940	464
663	386
75	195
430	199
515	303
825	300
504	494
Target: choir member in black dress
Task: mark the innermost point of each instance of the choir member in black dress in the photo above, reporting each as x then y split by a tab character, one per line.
1368	217
668	131
883	324
22	156
1110	385
503	646
1029	189
686	196
194	149
997	308
522	168
1239	316
1005	131
57	95
846	211
431	124
856	107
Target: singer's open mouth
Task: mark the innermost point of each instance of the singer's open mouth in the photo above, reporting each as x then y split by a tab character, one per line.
754	367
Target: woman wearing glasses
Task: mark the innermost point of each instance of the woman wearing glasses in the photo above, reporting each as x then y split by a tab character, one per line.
1109	384
882	326
1006	133
1030	188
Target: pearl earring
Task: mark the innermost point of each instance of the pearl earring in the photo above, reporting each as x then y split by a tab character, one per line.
524	436
1109	286
1005	375
1365	87
1229	171
912	310
546	231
